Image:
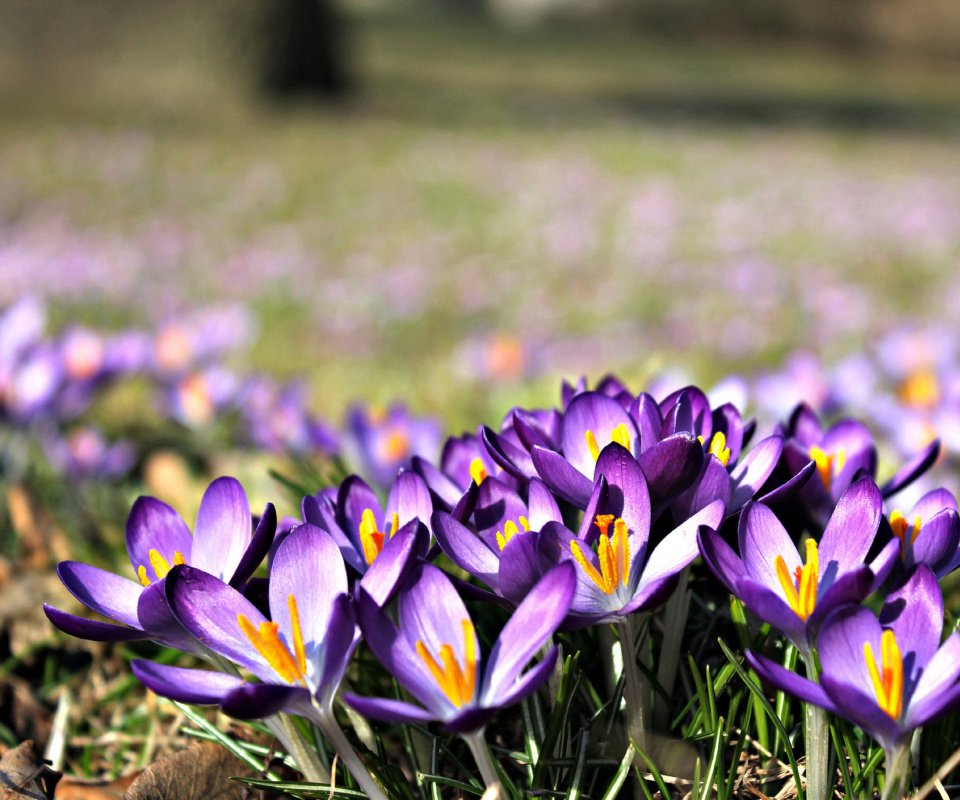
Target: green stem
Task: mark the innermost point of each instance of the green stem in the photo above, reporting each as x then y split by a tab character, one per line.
632	688
674	625
816	735
897	777
349	757
481	754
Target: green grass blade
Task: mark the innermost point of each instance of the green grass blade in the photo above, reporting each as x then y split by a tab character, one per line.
620	777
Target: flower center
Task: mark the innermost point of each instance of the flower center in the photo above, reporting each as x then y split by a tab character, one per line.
802	594
510	530
456	683
718	447
394	446
196	402
900	527
613	553
827	465
920	389
478	471
620	435
373	539
160	566
290	667
887	680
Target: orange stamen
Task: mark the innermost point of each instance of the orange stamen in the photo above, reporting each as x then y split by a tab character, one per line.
613	553
888	681
456	683
267	643
298	649
371	538
478	472
620	435
801	595
718	447
827	465
900	527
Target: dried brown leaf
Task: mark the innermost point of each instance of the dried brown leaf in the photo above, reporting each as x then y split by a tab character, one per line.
78	789
23	776
201	772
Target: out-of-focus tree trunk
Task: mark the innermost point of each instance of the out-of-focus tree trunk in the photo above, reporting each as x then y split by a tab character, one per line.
307	52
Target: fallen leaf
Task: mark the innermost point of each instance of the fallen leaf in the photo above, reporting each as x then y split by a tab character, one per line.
79	789
24	776
201	772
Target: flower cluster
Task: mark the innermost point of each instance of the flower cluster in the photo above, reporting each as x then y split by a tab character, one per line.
588	514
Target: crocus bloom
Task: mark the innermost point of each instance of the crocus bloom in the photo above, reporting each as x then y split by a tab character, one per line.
930	532
464	461
793	596
224	544
377	544
888	676
621	577
435	653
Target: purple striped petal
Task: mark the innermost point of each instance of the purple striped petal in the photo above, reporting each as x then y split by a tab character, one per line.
914	612
353	498
514	460
751	473
852	526
259	700
913	469
92	629
671	466
223	530
646	414
465	549
102	591
713	484
153	525
340	640
387	710
431	611
409	499
720	558
322	513
390	567
195	686
937	543
762	539
521	566
444	491
628	495
562	478
679	547
938	676
542	507
600	415
260	545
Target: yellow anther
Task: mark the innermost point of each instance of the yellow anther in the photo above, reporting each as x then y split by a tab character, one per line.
802	594
509	531
178	558
142	574
524	523
478	471
900	527
920	389
456	683
613	552
299	650
394	523
827	465
592	444
267	643
888	679
371	538
603	522
159	564
718	447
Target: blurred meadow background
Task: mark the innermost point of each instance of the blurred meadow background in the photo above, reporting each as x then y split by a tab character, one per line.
458	205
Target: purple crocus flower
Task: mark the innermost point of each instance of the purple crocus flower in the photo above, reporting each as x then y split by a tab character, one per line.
840	453
378	544
381	443
224	544
623	575
464	463
504	551
930	532
793	596
887	676
84	453
435	653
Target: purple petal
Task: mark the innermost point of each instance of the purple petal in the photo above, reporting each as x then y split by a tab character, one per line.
720	558
762	539
512	459
259	700
751	473
677	411
153	525
805	426
534	621
496	505
102	591
931	504
158	620
260	545
562	477
527	683
520	566
884	563
671	466
223	530
913	469
914	612
792	486
589	599
322	513
727	420
465	549
860	707
646	414
386	710
195	686
679	547
92	629
938	675
409	499
852	526
652	594
464	507
841	646
771	607
599	503
353	498
713	484
934	705
628	495
441	488
936	544
837	590
529	431
787	681
339	642
600	415
390	567
309	568
542	506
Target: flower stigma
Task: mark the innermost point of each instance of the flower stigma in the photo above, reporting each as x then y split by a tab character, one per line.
620	435
373	539
887	680
456	683
801	593
827	465
900	526
160	566
613	553
510	530
267	643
